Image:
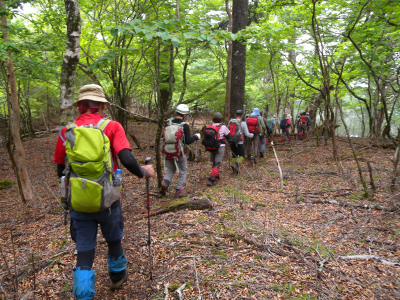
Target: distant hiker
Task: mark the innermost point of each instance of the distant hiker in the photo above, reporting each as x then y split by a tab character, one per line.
214	142
85	153
255	123
297	125
271	128
304	124
285	125
265	133
176	136
238	130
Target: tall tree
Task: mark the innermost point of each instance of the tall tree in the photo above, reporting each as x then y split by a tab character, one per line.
71	59
240	10
17	157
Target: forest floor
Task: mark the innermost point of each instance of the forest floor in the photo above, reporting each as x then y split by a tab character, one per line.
258	241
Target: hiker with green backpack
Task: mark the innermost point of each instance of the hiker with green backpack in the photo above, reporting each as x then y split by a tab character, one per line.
176	136
86	157
238	130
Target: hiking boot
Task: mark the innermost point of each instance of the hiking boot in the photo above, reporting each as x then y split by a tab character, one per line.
164	188
217	177
114	285
180	193
280	140
235	168
261	154
211	181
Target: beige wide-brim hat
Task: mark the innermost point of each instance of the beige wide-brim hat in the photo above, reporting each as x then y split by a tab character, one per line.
91	92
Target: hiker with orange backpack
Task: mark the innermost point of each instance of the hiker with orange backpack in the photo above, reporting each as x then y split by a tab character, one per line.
304	124
214	142
176	136
238	130
255	123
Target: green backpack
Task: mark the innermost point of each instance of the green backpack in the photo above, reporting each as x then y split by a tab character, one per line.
89	168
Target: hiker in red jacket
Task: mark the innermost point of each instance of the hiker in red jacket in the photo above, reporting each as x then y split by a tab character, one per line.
91	102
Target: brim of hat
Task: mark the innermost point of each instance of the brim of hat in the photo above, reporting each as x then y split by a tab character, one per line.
92	98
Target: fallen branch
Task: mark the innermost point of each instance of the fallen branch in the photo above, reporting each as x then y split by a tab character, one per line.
197	278
179	291
365	206
373	257
277	161
166	291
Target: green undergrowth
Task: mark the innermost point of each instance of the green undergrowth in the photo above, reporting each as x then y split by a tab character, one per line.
5	184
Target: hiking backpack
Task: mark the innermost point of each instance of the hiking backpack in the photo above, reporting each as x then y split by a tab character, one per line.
211	139
235	131
284	124
270	124
252	124
303	121
89	169
173	146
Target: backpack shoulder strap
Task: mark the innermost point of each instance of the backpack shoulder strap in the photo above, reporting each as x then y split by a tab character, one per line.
59	133
102	124
68	126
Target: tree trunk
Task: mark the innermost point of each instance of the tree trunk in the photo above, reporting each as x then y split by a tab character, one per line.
239	18
165	87
227	112
25	188
70	61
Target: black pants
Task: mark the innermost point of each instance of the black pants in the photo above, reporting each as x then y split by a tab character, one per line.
237	150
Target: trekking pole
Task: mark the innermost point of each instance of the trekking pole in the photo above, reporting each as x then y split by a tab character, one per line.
195	164
146	162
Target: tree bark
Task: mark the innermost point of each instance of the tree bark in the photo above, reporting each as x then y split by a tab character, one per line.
227	112
25	188
239	17
70	61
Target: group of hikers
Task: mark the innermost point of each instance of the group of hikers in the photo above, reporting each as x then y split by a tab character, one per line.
254	130
90	179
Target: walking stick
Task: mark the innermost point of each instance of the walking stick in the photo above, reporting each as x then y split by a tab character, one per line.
146	162
195	164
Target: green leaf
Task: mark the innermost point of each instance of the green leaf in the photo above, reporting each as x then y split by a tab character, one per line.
114	32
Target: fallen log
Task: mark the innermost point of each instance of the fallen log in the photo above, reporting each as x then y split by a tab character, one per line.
196	204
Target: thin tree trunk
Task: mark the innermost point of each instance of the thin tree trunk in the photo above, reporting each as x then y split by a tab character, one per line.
364	184
24	184
396	162
70	61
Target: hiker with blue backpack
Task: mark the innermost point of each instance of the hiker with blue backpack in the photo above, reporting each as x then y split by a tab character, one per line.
86	157
176	136
214	142
285	125
237	131
255	123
